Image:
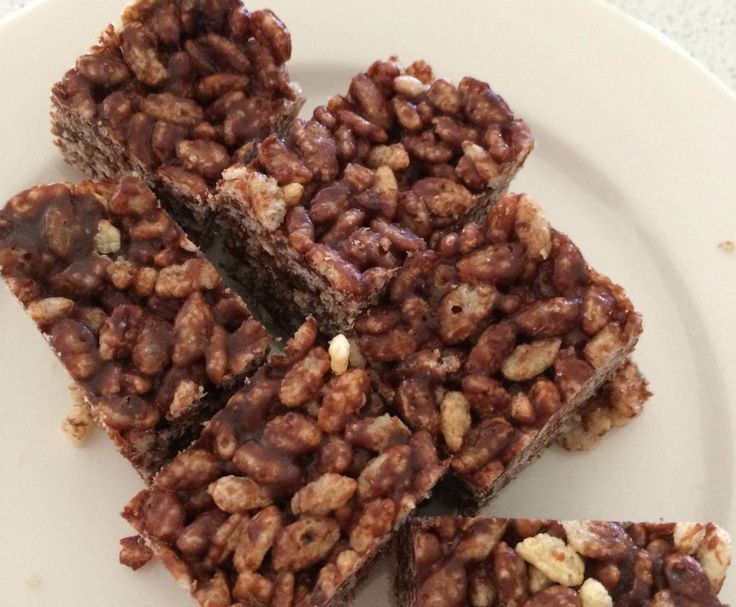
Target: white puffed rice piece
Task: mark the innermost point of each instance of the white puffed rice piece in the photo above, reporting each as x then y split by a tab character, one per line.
688	537
107	239
714	556
78	422
339	351
594	594
553	557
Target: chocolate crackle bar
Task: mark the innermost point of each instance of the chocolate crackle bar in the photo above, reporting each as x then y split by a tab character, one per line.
176	94
291	490
481	562
139	318
495	337
321	220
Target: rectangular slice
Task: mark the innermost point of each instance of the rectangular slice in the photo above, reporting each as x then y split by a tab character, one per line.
319	222
494	338
291	490
137	315
480	562
178	93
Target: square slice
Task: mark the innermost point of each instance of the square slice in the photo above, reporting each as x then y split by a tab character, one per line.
322	220
177	93
494	338
292	489
140	319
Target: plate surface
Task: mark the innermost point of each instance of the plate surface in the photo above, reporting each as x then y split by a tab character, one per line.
635	154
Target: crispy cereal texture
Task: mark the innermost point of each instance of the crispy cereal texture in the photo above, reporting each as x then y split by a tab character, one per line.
459	562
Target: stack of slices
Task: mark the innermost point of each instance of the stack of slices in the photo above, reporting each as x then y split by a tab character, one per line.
438	328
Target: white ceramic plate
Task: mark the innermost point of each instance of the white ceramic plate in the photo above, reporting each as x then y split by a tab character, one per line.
635	159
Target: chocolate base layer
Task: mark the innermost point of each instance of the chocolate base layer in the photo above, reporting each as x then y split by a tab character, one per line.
406	570
149	453
276	278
